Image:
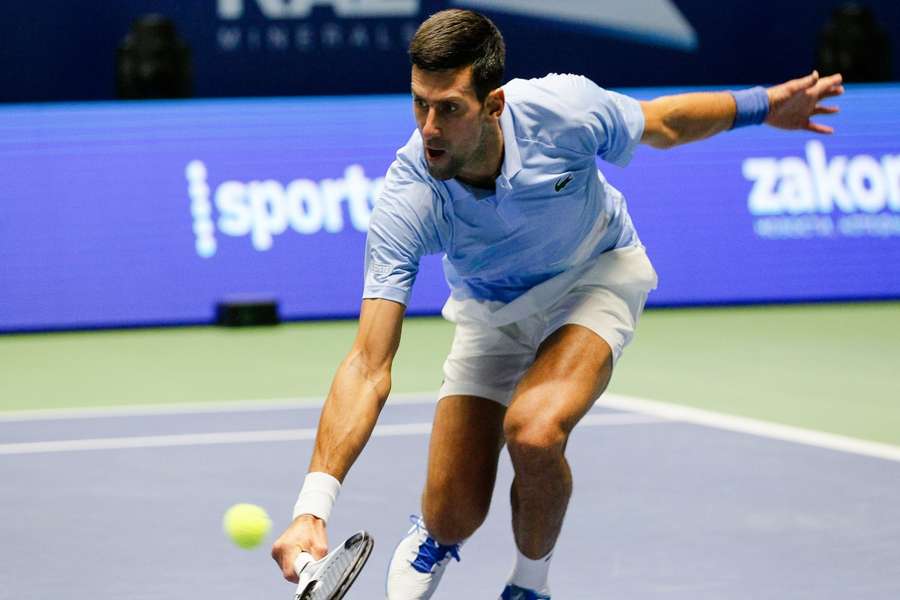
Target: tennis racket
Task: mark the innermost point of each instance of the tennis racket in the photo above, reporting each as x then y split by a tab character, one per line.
331	577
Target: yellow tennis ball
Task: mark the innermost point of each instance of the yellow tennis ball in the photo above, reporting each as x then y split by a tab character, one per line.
246	524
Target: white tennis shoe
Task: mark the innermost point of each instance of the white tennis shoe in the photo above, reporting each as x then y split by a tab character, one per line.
418	564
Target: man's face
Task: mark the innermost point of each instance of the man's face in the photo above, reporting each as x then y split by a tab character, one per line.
450	118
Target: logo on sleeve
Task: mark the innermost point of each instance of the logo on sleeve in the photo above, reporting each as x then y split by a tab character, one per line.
562	182
380	271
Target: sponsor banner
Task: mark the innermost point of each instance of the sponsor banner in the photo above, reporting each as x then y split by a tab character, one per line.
765	215
127	214
151	213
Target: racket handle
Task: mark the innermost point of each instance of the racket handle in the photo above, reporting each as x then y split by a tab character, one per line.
303	560
305	567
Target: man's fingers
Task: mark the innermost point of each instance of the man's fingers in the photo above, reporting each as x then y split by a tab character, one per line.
825	110
835	79
290	574
798	85
809	81
831	92
318	550
285	555
306	533
817	128
827	83
287	566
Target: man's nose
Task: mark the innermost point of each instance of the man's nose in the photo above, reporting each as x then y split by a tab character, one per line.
431	128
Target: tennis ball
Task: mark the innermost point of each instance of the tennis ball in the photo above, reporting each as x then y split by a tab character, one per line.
246	524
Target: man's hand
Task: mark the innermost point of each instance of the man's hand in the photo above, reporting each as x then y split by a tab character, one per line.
791	104
305	534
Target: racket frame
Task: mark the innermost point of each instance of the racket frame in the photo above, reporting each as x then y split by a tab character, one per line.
362	537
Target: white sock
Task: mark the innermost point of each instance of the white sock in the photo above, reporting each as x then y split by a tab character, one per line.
531	574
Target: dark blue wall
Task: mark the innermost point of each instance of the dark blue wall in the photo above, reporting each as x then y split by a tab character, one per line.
64	50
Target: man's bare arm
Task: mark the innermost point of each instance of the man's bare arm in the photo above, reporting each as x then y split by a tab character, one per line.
358	393
682	118
359	389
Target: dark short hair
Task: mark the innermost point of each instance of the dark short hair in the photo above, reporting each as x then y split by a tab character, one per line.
453	39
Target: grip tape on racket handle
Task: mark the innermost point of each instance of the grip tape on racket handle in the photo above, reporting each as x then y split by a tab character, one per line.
303	560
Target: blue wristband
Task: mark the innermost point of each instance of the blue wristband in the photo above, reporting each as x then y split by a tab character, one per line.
752	106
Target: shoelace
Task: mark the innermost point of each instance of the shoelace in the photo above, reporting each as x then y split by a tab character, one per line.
514	592
430	552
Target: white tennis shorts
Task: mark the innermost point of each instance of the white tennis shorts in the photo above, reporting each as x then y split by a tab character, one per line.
495	344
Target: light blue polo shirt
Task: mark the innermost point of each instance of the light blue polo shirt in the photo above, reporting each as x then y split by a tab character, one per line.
552	210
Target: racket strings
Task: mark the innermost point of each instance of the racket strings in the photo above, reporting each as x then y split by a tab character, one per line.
333	575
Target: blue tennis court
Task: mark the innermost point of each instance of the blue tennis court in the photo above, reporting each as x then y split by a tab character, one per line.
128	504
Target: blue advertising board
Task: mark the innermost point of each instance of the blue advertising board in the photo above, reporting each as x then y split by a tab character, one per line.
762	215
124	214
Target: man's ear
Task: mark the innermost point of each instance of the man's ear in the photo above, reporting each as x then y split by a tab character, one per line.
495	102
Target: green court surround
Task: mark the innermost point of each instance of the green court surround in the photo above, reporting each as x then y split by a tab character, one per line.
830	367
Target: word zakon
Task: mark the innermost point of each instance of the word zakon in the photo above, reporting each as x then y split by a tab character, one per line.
817	184
265	209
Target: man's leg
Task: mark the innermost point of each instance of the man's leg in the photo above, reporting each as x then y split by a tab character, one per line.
572	368
462	466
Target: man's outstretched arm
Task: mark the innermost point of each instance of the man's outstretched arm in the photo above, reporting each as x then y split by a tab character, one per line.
358	393
682	118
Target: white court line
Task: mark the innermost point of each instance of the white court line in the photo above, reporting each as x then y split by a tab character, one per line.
275	435
818	439
268	404
628	403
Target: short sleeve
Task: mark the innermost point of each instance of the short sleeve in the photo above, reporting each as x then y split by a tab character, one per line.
402	230
614	122
573	112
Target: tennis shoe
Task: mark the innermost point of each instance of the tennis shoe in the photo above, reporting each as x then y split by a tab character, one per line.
514	592
418	564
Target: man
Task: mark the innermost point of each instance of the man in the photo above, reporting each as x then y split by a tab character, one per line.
547	277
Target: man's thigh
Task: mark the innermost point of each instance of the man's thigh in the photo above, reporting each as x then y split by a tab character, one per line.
572	368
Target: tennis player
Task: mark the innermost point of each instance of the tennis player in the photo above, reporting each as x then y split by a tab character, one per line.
547	275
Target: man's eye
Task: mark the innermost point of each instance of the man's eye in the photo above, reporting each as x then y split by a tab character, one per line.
451	108
421	104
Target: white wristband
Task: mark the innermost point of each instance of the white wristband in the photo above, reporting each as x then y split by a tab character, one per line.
318	495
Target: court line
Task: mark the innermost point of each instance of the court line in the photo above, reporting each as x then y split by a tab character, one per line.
267	404
663	410
273	435
777	431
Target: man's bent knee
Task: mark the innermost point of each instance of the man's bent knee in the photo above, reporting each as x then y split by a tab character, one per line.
450	519
533	439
